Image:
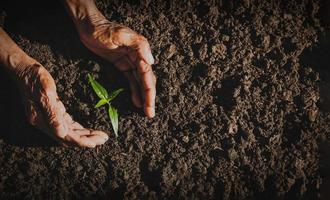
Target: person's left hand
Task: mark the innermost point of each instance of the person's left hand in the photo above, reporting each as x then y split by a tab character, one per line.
129	52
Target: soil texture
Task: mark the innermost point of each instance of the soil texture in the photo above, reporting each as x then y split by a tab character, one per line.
243	104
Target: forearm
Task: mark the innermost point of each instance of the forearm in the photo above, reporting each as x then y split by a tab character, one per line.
13	58
84	14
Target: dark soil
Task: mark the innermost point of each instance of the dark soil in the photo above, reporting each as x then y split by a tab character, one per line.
243	105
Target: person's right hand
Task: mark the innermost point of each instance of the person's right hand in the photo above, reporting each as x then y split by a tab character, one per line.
46	112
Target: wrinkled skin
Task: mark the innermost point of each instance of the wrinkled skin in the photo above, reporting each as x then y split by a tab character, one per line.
128	51
46	112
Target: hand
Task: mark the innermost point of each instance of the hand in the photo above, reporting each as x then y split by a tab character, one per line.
46	112
128	51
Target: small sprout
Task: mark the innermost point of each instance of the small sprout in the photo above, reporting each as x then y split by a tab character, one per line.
105	98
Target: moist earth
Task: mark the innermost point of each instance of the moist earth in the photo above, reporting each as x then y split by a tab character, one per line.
243	105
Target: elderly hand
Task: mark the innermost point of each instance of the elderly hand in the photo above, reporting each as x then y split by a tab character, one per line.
46	112
128	51
43	107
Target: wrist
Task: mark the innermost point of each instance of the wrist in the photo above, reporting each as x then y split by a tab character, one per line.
85	15
17	63
13	58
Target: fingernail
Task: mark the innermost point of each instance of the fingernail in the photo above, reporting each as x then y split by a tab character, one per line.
91	145
106	137
150	111
150	59
153	113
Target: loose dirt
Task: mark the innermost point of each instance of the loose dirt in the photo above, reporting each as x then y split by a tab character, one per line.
243	105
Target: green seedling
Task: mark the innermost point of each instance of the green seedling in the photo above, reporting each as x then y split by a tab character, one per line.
105	98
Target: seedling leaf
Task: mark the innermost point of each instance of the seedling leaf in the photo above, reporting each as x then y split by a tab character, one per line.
105	99
114	94
101	103
113	114
100	91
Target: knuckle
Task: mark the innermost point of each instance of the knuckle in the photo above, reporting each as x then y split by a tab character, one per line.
120	29
149	104
61	106
43	99
49	92
54	124
155	79
143	42
40	70
57	132
143	39
144	68
32	116
53	121
82	142
32	119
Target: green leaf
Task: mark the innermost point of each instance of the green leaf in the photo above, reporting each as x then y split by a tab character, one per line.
113	114
114	94
100	91
101	103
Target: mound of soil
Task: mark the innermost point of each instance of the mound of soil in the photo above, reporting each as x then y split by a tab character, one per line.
243	105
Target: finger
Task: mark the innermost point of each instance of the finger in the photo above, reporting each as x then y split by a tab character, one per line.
74	125
146	75
148	83
99	140
46	80
81	141
67	118
86	138
135	93
144	51
137	77
115	55
99	137
89	132
61	106
93	137
100	133
123	64
127	37
149	109
35	118
53	112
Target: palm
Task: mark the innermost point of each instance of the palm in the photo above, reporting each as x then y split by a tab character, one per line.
47	112
131	54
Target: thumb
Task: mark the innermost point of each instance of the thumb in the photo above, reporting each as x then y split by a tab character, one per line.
50	104
126	37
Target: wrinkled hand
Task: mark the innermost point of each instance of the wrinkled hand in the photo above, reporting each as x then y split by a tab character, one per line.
129	52
45	111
